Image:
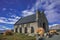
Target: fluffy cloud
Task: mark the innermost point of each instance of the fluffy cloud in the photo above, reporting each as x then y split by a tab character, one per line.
27	12
4	28
52	16
14	16
52	12
51	7
31	11
9	20
4	9
53	25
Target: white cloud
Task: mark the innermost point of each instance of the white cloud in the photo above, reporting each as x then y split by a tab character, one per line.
4	9
34	7
49	7
27	12
50	11
11	9
52	16
53	25
12	22
13	15
9	20
1	21
4	28
17	17
2	18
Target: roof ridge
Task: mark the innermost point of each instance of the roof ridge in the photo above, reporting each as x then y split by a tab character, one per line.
28	15
27	19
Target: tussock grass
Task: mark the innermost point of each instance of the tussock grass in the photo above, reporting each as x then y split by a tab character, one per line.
17	36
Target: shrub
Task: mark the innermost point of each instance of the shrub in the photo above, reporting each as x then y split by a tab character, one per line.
40	31
8	32
53	32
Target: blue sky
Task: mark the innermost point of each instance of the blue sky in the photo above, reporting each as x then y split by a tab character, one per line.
12	10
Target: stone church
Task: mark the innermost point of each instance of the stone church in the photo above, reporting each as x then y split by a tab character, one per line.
31	23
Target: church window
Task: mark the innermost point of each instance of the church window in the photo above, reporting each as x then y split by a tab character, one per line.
16	30
32	30
25	29
20	29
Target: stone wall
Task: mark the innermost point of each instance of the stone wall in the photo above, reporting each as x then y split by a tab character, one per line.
30	27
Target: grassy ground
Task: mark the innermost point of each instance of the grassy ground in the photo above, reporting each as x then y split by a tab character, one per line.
17	37
25	37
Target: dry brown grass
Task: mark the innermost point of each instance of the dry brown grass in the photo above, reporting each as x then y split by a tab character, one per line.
8	32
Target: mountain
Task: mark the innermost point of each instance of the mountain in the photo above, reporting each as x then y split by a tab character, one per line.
55	26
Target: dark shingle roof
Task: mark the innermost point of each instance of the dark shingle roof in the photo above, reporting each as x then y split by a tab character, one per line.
31	18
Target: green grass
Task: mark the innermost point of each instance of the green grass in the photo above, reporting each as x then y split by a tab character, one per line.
23	37
1	36
18	37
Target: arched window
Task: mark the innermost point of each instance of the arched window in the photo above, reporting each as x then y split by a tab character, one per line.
32	30
25	29
16	30
20	29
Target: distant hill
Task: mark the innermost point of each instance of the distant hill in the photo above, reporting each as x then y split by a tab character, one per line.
55	27
2	31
